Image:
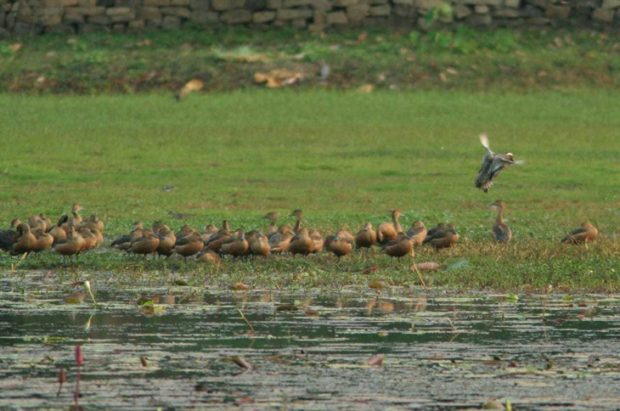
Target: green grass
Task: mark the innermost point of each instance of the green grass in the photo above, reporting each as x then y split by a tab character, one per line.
345	158
228	58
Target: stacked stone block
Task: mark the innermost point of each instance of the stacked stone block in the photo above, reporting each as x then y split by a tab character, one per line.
39	16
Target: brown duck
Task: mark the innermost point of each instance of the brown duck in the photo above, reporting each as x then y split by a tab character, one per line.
185	231
90	239
259	245
208	256
210	231
317	240
366	237
147	244
25	241
124	242
167	241
44	241
280	241
301	243
72	245
441	236
189	245
399	247
584	234
501	232
340	244
389	231
417	233
223	235
236	246
76	219
61	229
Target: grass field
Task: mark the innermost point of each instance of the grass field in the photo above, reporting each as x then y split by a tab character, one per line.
345	158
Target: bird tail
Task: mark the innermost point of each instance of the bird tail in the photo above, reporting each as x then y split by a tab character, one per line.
484	140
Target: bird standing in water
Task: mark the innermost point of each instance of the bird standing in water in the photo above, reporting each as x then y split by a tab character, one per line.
492	165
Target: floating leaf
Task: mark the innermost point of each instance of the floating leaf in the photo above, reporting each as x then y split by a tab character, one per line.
512	298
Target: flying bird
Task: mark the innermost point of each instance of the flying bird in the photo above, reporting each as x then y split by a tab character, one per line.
492	165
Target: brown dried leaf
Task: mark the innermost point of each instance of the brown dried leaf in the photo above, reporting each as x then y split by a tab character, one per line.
427	266
239	286
241	362
376	360
376	284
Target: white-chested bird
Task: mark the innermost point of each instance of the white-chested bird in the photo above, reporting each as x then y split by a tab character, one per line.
492	165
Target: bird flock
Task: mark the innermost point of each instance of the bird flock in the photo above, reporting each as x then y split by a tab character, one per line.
72	234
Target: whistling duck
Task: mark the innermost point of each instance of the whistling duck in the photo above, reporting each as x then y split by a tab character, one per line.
236	246
501	232
8	237
210	231
185	231
317	241
389	231
189	245
299	215
417	233
441	236
147	244
340	244
366	237
76	219
272	216
124	242
25	240
72	245
93	222
399	247
60	230
208	256
90	239
584	234
280	241
492	165
301	243
43	241
217	239
167	241
259	245
39	222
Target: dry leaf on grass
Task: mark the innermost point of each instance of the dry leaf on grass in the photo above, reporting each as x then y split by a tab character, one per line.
192	85
278	78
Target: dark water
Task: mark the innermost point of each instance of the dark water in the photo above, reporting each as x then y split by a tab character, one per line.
309	350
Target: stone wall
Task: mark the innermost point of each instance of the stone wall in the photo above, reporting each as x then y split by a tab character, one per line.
77	16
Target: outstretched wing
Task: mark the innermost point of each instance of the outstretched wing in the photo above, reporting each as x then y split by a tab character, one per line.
484	140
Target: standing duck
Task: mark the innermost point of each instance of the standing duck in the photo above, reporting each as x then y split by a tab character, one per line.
584	234
210	231
259	245
147	244
189	245
501	232
301	243
280	241
417	233
366	237
216	240
389	231
167	241
43	241
340	244
124	242
25	241
60	230
76	218
492	165
72	245
236	246
399	247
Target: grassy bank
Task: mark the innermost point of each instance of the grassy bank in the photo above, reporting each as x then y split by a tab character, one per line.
228	59
345	158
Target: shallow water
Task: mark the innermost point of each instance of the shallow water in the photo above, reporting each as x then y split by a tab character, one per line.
309	350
